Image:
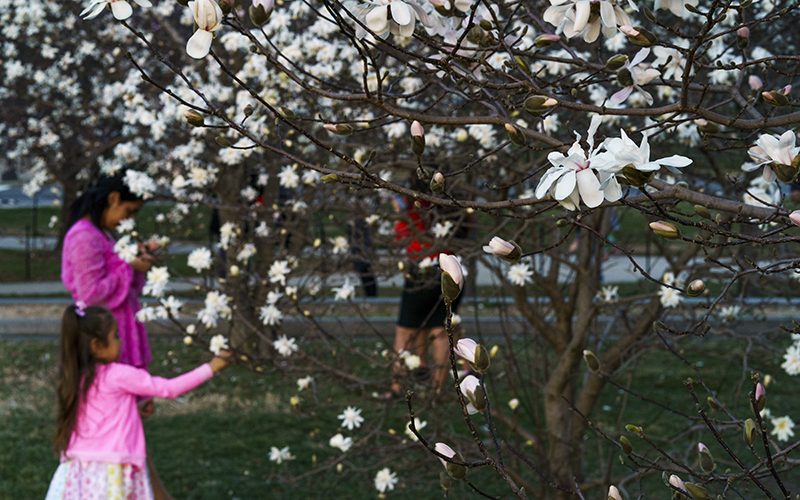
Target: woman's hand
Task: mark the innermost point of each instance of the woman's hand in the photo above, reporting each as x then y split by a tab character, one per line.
220	361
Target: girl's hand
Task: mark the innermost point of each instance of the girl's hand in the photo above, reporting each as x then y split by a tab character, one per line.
142	264
220	361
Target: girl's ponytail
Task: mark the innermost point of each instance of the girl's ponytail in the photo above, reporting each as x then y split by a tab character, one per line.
77	364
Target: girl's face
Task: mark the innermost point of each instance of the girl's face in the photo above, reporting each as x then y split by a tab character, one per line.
118	211
109	352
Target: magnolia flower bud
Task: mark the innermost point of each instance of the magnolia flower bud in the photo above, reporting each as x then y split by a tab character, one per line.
743	37
188	340
760	397
537	103
706	460
506	250
466	349
338	128
515	135
456	471
194	118
543	41
494	350
786	90
639	36
613	493
696	288
616	62
625	77
208	17
749	432
706	126
260	11
330	178
702	212
697	491
754	82
443	7
452	276
226	6
437	182
591	360
234	271
713	403
677	482
471	388
795	217
222	141
625	444
482	359
775	98
665	229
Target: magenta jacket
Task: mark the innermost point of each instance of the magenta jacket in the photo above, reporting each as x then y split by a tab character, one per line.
95	274
108	428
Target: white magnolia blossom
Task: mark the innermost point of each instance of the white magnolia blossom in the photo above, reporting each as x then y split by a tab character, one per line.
573	178
278	271
340	245
199	259
127	249
126	225
344	292
519	274
262	231
441	230
216	307
641	74
397	17
419	425
341	442
669	296
608	294
285	346
208	17
791	360
280	455
270	315
247	251
730	313
217	343
772	149
172	304
157	280
782	428
140	184
573	17
304	383
288	177
227	234
120	8
385	480
678	7
351	418
624	152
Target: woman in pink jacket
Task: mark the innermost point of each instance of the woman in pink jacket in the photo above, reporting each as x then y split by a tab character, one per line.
96	276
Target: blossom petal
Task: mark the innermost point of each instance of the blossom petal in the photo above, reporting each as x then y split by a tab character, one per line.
786	145
589	187
593	31
122	10
607	14
613	191
675	161
583	10
199	44
622	95
401	13
377	19
565	185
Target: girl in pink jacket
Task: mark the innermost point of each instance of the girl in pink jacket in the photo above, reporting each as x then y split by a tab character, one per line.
99	432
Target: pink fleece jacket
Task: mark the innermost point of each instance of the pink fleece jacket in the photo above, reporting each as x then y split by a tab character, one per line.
108	428
95	274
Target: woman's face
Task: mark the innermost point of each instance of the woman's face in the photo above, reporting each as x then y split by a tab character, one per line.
118	211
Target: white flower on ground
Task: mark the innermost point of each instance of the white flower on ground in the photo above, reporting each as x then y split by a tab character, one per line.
271	315
345	291
351	418
125	225
729	313
572	178
199	259
519	274
670	297
217	343
157	279
126	249
208	17
285	346
340	245
608	294
278	271
441	230
341	442
403	18
640	75
288	177
791	360
280	456
120	8
419	425
304	383
782	428
578	17
385	479
773	149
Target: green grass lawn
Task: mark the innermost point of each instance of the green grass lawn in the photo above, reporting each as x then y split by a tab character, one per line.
214	443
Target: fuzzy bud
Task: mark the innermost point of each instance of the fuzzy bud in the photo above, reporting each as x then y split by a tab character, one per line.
537	103
743	37
455	471
749	432
514	135
775	98
330	178
437	182
761	397
639	36
260	11
626	446
543	41
225	6
339	128
706	460
482	359
194	118
696	288
613	493
754	82
697	492
616	62
665	229
452	276
591	360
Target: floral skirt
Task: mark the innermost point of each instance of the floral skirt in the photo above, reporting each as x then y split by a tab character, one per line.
76	480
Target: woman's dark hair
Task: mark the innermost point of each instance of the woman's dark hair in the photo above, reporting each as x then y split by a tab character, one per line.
77	364
95	199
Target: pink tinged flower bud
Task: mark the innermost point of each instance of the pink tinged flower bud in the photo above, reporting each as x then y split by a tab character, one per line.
438	177
452	276
466	349
455	471
444	450
664	229
754	82
471	389
416	129
677	482
628	30
795	217
761	397
498	246
787	90
338	128
514	135
743	32
543	41
701	447
260	11
743	37
549	103
613	493
417	138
